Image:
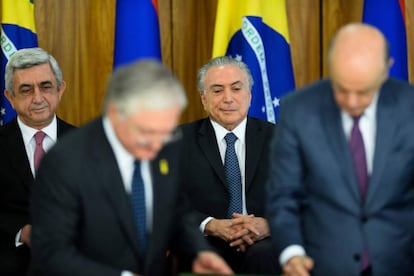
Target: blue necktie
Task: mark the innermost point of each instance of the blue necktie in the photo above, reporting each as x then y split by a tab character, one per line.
233	176
138	206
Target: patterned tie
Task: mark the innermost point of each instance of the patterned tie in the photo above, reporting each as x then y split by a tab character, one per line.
356	145
39	151
138	206
233	176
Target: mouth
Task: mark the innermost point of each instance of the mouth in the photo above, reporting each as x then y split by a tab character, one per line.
39	109
228	110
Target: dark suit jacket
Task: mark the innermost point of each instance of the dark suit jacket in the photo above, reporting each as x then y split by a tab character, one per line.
82	218
313	194
204	171
204	177
16	183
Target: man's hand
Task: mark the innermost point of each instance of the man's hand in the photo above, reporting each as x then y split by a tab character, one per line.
298	266
254	229
208	262
221	228
26	235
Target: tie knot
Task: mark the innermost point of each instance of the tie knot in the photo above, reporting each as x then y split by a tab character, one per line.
356	119
230	138
39	136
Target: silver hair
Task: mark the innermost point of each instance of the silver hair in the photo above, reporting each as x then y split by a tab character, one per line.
27	58
220	61
144	84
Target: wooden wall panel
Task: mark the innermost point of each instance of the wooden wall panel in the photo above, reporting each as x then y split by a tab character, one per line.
80	33
409	20
336	13
192	42
304	32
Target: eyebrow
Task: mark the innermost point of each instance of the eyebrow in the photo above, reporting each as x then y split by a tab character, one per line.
31	85
222	85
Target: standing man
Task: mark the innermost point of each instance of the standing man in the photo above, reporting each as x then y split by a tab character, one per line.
107	199
341	190
240	235
34	87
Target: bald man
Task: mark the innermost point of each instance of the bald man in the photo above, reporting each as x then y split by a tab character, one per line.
341	189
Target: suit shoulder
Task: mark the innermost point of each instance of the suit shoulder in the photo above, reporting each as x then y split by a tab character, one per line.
266	125
194	125
10	127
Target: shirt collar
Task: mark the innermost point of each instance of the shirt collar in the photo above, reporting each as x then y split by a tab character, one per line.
28	132
239	131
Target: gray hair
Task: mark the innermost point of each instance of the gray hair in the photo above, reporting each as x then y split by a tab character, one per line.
27	58
220	61
144	84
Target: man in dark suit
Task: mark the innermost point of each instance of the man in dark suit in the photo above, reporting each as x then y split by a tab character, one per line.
87	217
34	87
241	238
341	190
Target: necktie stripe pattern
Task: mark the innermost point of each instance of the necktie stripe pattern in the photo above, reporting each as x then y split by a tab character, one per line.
138	206
39	151
233	176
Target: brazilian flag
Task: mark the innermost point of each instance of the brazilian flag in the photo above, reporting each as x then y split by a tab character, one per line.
17	31
256	32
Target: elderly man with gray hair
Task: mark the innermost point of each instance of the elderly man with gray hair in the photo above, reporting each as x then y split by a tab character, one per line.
107	200
34	87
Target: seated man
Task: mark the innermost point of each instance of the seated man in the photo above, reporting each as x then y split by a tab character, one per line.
241	235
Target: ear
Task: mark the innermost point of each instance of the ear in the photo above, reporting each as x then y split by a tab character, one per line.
9	97
203	99
62	89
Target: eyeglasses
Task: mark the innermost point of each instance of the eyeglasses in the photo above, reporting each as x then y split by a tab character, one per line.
147	136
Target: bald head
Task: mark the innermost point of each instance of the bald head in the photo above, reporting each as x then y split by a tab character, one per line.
358	47
359	62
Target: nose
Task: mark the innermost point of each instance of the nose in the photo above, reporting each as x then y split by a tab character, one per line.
352	100
37	95
228	95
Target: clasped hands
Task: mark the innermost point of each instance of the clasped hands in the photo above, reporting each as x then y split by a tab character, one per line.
240	232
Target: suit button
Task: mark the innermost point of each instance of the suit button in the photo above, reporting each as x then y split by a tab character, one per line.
364	219
357	257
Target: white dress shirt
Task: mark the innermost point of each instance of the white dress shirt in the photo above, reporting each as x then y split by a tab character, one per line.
126	165
240	148
30	145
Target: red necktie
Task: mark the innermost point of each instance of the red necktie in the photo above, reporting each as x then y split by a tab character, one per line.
39	151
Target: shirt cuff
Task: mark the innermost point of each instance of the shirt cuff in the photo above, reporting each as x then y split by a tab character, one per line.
204	223
17	241
290	252
126	273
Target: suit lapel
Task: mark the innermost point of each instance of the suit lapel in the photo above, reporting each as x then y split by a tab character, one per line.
207	140
254	145
385	131
332	123
112	184
19	160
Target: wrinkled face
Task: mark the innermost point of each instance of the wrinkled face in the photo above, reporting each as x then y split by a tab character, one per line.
354	92
144	133
226	96
36	96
